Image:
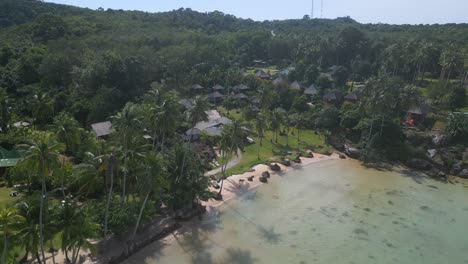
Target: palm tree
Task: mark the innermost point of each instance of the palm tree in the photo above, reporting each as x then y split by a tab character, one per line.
450	60
260	125
198	112
109	194
67	130
75	229
87	175
41	107
30	233
126	123
42	157
150	180
163	120
231	141
10	225
276	119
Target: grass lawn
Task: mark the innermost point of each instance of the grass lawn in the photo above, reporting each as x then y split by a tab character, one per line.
272	151
5	199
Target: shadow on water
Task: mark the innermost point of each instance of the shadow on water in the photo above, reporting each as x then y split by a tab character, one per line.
238	256
155	251
269	235
420	177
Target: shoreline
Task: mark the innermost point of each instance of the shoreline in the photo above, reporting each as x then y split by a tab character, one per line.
233	188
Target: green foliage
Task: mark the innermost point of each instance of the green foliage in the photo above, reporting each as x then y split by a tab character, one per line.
328	118
457	126
457	98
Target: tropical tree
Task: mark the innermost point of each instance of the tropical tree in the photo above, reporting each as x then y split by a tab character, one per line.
260	126
42	157
127	122
75	229
67	131
10	225
231	141
4	111
109	193
150	180
275	121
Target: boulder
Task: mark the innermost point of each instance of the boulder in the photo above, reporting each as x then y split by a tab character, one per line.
250	178
342	156
286	163
418	164
457	168
266	174
263	179
463	174
215	185
275	167
336	142
353	153
297	159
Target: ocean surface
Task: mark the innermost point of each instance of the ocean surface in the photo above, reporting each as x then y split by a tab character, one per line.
332	212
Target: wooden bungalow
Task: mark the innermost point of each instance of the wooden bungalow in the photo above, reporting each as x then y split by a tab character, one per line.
296	86
102	129
240	88
333	98
353	97
263	74
218	87
416	114
311	91
197	87
215	97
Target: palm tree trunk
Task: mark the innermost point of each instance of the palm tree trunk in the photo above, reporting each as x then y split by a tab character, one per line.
109	196
124	184
258	149
38	258
5	242
76	254
41	213
140	215
63	176
381	125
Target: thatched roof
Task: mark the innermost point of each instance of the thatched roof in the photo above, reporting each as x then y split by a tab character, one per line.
197	87
262	74
333	96
102	129
311	90
280	81
296	86
215	95
241	96
354	96
421	108
218	87
241	87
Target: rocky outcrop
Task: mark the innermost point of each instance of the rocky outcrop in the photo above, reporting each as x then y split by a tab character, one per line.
275	167
266	174
342	156
336	142
263	179
286	162
297	159
463	174
352	152
440	140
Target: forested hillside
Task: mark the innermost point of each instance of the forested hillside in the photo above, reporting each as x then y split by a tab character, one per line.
91	62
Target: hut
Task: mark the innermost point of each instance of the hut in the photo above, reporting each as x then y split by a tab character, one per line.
416	114
240	88
102	129
218	87
186	103
215	97
311	91
193	134
333	98
197	87
352	97
296	86
262	74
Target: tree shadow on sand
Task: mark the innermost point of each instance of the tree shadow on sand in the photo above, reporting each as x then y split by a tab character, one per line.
238	256
269	234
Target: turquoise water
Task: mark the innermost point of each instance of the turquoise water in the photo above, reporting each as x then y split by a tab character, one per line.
333	211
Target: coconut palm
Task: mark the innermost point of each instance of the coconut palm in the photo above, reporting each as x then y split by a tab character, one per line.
232	139
29	235
150	180
67	130
126	123
4	112
260	126
275	120
109	194
10	224
42	156
75	229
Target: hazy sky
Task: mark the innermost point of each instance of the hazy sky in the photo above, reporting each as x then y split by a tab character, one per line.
365	11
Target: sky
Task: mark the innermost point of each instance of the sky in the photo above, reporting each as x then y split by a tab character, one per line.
364	11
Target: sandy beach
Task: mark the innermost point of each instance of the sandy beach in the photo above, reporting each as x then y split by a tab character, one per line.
234	186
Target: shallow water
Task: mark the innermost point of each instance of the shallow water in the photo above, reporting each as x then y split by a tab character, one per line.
334	211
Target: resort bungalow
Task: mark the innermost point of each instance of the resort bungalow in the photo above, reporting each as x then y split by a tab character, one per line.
102	129
240	97
197	87
311	91
215	97
333	98
240	88
262	74
212	127
280	81
352	97
415	115
296	86
192	134
218	87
